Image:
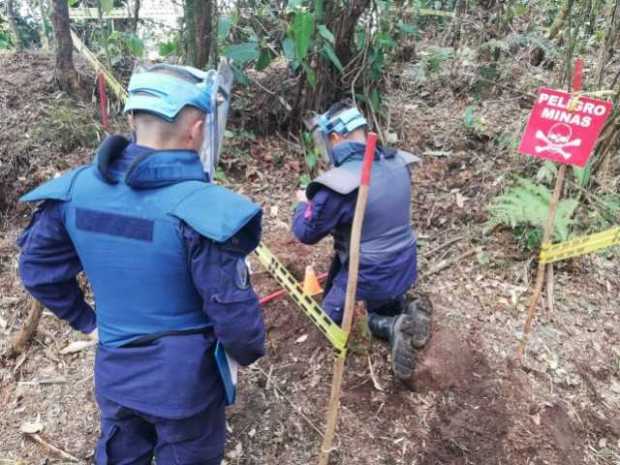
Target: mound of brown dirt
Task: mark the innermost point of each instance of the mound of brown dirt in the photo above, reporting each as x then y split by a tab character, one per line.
448	362
43	131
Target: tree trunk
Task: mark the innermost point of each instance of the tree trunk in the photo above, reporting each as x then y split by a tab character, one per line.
341	21
10	7
203	17
607	49
135	19
65	70
45	43
199	21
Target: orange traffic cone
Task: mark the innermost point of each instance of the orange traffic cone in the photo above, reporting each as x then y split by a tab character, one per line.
311	282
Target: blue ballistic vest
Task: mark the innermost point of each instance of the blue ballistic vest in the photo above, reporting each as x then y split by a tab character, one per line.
126	230
387	223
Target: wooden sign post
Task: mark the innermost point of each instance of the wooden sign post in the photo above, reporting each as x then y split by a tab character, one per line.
563	127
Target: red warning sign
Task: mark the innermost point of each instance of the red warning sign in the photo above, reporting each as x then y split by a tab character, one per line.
564	130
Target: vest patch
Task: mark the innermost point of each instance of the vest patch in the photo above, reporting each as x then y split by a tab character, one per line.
114	225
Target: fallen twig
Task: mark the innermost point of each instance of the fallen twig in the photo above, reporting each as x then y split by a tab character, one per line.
442	265
57	380
65	455
442	246
378	387
77	346
550	287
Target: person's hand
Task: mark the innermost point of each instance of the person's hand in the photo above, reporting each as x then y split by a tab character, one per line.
301	196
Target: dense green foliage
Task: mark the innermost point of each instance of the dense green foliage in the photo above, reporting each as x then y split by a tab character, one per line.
325	50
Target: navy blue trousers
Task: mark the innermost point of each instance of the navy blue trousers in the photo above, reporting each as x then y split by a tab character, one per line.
132	438
335	296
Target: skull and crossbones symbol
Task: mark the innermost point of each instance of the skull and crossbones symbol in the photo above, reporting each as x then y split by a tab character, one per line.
557	139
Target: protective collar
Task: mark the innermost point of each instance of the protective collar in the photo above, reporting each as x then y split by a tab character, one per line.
347	151
147	168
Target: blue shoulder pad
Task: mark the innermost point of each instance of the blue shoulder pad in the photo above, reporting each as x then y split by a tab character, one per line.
55	189
219	214
343	180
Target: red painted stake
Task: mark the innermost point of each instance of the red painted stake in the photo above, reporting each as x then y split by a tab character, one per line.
578	75
274	295
103	102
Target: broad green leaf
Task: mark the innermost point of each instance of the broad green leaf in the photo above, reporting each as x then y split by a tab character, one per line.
224	24
167	48
311	159
330	53
386	40
310	75
326	34
107	5
242	53
583	174
240	76
220	175
264	59
288	46
135	45
72	3
304	180
292	4
407	28
303	26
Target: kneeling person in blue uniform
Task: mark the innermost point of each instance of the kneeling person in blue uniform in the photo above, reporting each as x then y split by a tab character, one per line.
164	251
388	245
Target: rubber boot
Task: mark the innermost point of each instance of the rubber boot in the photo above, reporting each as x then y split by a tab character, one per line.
420	310
398	331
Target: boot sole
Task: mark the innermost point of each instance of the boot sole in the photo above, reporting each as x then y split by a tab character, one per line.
403	355
422	330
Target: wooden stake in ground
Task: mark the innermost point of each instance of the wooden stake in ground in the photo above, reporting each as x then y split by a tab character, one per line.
540	273
347	320
22	339
549	227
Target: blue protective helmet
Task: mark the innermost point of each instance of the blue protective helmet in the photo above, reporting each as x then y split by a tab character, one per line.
164	90
342	118
343	122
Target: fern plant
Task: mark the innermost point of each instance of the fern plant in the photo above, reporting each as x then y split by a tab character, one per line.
526	204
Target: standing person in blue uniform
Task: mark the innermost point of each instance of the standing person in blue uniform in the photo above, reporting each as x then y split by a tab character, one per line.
164	251
388	245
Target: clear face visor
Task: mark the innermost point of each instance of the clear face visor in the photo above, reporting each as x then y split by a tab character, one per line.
321	140
215	122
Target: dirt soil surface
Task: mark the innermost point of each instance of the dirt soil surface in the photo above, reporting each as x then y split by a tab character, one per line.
470	405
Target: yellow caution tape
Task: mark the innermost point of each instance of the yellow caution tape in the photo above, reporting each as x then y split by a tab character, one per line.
116	86
336	336
310	307
580	246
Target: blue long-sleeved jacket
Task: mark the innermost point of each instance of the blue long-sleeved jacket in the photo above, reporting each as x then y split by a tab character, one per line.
174	376
329	212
